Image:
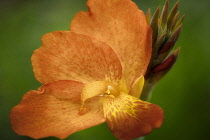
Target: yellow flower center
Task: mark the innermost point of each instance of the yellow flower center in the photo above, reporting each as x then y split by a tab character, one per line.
95	89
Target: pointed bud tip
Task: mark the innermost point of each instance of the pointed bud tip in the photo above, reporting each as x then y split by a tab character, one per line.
176	52
177	30
156	13
148	14
168	63
148	11
154	24
182	18
177	3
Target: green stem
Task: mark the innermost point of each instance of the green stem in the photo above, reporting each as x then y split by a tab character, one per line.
147	91
140	138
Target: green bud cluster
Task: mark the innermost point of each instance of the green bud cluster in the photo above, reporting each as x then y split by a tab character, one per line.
166	31
166	28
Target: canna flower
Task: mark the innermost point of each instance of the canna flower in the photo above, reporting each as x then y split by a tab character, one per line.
92	74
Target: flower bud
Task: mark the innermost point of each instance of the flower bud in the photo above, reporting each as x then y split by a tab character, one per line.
166	31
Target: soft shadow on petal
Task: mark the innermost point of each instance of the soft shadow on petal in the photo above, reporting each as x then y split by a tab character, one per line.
53	111
129	117
120	24
65	55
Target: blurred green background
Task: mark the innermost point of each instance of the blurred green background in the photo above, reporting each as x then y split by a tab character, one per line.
184	93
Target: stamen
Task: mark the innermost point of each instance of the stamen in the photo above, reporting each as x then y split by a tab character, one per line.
112	89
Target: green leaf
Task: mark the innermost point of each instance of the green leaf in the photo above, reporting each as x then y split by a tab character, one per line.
175	20
179	23
171	41
156	48
163	53
164	15
171	16
154	25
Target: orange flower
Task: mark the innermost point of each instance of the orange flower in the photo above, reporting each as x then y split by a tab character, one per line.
90	75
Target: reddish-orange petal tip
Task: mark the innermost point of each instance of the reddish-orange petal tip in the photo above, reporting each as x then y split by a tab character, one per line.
54	112
129	117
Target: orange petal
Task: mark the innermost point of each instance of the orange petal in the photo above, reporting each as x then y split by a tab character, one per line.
129	117
65	55
53	111
123	26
